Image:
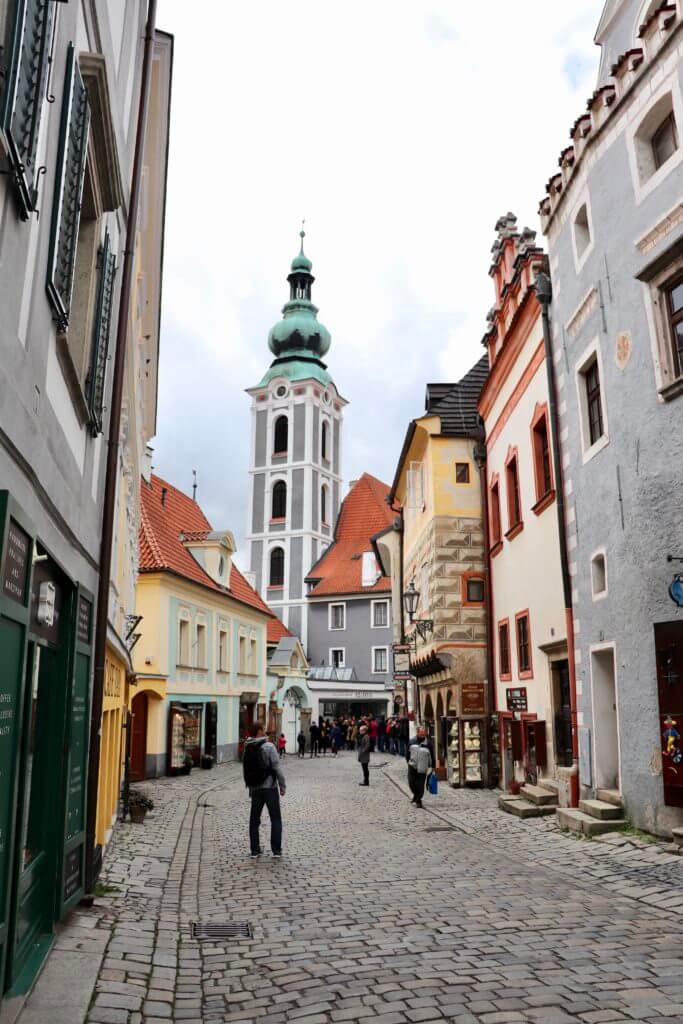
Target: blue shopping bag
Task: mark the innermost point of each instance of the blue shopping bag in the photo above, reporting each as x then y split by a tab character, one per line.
433	784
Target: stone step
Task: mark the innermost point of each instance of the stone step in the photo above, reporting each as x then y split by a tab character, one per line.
522	808
610	796
677	836
578	821
539	795
552	785
600	809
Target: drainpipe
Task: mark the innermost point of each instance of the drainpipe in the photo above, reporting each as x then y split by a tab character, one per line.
109	500
480	459
544	294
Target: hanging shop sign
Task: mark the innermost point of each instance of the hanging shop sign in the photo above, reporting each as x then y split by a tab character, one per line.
516	698
473	699
15	569
402	677
47	597
676	590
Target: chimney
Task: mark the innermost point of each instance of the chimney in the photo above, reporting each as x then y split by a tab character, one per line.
146	466
164	492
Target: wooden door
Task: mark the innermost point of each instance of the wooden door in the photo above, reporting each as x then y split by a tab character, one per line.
138	745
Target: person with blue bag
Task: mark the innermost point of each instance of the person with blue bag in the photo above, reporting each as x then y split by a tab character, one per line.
420	764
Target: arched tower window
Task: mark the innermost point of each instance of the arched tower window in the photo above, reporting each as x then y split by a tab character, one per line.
281	436
324	442
279	507
323	503
277	567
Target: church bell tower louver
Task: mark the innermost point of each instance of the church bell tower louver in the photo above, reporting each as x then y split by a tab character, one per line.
296	449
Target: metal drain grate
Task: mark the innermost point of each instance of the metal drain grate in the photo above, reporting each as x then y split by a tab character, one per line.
440	828
232	930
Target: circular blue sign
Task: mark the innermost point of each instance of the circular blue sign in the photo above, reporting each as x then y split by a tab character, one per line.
676	590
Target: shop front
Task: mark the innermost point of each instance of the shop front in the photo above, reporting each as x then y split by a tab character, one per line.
192	736
335	701
112	744
46	625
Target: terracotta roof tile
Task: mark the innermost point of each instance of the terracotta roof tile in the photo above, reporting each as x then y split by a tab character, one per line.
161	547
364	512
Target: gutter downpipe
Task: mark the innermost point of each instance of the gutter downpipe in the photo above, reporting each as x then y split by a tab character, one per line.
480	459
109	499
544	294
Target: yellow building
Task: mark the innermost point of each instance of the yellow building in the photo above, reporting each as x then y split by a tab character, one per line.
437	484
138	426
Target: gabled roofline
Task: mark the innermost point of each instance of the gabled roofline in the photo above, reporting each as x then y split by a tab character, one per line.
224	592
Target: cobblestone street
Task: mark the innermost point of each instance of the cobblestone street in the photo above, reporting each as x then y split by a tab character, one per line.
380	911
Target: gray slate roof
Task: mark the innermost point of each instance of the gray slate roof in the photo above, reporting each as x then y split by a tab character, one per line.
284	651
458	407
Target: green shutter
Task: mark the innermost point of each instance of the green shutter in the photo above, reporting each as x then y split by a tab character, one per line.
26	68
68	194
106	266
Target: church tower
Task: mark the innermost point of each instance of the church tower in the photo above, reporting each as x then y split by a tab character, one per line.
296	446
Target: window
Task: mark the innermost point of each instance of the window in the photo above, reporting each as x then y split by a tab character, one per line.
582	233
543	474
337	657
380	614
664	141
243	654
462	472
415	483
674	310
279	506
277	567
337	615
494	514
281	436
513	496
324	442
599	575
222	651
253	663
370	572
593	402
200	646
183	642
523	645
323	504
474	590
380	659
504	649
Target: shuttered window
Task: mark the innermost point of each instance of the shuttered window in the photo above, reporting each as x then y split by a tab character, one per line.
68	194
106	270
27	42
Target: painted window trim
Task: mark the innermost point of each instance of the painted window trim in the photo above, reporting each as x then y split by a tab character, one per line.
280	416
197	626
219	667
463	483
331	660
504	677
384	601
669	383
641	190
580	260
513	528
599	595
465	578
544	498
496	536
524	673
331	605
376	671
271	585
581	367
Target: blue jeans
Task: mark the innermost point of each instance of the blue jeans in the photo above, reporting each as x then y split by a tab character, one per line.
269	798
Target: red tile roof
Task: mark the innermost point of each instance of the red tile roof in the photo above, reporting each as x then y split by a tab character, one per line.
161	547
364	512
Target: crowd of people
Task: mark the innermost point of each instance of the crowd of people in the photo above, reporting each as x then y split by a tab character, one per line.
387	735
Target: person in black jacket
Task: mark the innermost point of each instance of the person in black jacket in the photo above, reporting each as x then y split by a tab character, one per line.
315	739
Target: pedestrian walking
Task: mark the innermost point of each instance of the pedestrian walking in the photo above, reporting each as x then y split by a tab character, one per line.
281	745
301	744
420	764
315	739
364	754
324	737
336	738
265	781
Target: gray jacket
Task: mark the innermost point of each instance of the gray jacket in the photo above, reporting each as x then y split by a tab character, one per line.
271	759
364	749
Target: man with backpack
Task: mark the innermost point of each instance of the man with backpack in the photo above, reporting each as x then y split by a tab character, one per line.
265	781
419	765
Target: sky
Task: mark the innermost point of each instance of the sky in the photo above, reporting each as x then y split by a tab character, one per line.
400	130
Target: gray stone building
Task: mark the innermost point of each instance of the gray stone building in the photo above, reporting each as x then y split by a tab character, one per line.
613	217
296	451
349	604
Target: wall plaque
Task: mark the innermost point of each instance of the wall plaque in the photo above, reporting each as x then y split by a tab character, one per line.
516	698
84	616
15	570
72	872
473	699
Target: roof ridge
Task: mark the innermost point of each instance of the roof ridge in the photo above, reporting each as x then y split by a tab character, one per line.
150	536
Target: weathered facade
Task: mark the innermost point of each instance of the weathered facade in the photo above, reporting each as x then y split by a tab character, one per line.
613	217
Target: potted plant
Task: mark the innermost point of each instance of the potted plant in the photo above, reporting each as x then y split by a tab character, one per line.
206	761
138	805
514	787
188	764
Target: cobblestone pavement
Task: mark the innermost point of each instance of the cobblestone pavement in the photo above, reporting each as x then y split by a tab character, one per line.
381	911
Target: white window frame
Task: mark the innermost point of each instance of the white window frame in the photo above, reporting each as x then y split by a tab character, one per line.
599	595
242	646
415	487
204	663
378	671
343	658
331	605
589	451
642	189
223	665
580	259
184	619
385	602
669	385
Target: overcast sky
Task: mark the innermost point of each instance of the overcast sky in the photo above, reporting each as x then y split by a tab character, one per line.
401	130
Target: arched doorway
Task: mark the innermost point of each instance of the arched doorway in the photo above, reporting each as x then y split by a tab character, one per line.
428	710
291	718
138	738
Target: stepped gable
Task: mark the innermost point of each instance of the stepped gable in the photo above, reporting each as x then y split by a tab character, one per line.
164	526
364	512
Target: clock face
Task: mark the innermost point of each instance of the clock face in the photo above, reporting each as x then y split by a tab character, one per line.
281	391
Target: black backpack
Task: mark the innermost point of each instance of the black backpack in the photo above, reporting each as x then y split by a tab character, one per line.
254	766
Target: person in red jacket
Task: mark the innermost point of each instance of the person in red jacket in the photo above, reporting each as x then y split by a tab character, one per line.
374	732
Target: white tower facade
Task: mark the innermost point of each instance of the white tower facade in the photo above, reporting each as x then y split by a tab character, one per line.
296	452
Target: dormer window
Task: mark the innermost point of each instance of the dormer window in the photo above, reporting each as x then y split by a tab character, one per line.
213	551
370	571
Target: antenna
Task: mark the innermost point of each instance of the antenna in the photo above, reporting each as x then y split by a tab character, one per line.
194	484
302	234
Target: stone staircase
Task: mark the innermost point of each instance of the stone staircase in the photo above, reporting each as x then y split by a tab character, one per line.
592	817
532	801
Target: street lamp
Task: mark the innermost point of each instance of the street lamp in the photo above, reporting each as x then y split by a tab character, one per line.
411	600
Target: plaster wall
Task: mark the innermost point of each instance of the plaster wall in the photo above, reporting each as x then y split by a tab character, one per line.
357	639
